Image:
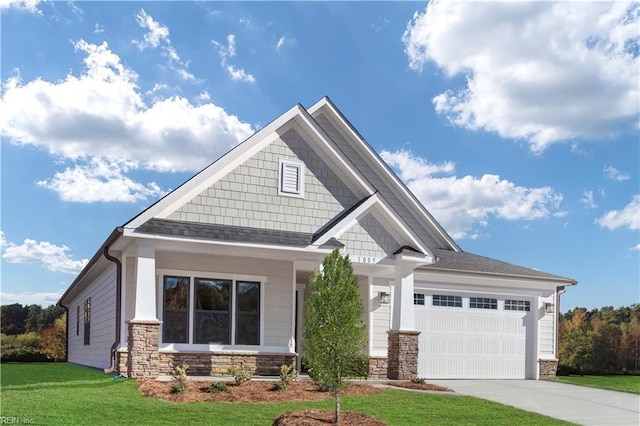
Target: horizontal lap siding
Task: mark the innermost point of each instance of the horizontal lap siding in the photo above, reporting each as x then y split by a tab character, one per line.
102	334
278	293
380	320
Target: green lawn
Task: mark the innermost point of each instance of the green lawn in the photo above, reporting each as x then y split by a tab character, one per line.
66	394
618	383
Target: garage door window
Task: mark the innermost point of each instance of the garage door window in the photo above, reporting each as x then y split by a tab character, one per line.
418	299
517	305
448	301
483	303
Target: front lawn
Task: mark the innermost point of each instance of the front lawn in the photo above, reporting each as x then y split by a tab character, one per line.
618	383
66	394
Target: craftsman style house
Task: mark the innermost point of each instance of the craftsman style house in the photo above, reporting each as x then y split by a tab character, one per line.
216	272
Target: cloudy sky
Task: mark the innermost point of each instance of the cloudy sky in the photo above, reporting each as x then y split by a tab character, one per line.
515	124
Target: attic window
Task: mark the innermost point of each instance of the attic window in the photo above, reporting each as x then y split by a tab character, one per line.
291	178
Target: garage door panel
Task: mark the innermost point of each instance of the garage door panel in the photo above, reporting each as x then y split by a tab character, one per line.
471	343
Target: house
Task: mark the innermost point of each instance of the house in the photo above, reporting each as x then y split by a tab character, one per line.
216	273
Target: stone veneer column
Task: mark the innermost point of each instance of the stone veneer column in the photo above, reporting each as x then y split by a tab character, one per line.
143	358
403	354
547	368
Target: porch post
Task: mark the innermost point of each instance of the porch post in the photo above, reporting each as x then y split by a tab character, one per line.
403	337
143	337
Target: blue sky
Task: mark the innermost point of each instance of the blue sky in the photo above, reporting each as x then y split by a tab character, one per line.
515	124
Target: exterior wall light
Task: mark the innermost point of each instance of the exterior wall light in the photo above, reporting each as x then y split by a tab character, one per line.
384	298
549	307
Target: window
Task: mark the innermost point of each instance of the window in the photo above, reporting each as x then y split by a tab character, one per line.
87	321
517	305
418	299
483	303
291	178
78	320
223	311
176	310
448	301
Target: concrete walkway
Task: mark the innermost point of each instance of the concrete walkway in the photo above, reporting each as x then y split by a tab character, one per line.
577	404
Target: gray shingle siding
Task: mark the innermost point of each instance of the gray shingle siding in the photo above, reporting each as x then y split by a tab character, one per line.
248	196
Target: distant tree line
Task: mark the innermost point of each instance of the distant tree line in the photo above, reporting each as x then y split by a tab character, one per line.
31	333
600	341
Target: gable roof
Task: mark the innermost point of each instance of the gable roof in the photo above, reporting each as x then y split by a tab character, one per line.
448	260
375	169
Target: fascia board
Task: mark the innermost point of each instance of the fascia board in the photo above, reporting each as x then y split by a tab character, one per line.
216	170
329	146
387	173
485	289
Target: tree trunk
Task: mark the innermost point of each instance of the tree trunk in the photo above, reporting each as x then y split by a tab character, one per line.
336	395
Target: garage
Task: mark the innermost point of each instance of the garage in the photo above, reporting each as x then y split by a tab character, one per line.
472	335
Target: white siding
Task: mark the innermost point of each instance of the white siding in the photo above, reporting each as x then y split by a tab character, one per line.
380	317
546	330
278	303
102	292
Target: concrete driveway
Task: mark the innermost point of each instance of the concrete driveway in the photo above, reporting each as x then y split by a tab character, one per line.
577	404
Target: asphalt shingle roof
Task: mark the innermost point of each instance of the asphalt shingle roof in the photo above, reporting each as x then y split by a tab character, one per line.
207	231
469	262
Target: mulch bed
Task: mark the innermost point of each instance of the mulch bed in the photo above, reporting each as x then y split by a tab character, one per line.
318	417
252	391
419	386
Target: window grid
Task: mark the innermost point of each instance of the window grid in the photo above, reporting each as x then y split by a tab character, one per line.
418	299
447	300
483	303
517	305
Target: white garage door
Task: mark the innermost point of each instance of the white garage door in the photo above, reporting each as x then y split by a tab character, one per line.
471	336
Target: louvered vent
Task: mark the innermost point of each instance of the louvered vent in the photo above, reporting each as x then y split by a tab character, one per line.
291	178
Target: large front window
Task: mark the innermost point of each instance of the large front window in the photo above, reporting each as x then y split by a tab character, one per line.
207	310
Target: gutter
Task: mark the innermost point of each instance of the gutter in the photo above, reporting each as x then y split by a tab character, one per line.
116	343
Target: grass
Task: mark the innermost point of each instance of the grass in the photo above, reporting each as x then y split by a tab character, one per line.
629	384
61	394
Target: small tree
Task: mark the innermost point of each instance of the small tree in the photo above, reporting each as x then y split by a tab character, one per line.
334	334
53	340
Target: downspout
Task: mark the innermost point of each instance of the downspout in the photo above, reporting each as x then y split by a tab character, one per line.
113	367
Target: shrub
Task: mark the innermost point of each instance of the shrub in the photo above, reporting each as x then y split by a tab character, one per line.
419	380
278	386
53	340
288	373
239	373
217	387
179	374
21	348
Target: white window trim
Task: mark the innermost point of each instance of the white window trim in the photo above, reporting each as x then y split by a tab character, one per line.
212	275
284	162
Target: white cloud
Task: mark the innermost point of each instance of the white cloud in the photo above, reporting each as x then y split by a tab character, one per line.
614	174
97	28
49	255
100	181
28	298
204	96
24	5
229	51
628	217
461	204
155	34
544	72
636	247
101	113
587	199
281	41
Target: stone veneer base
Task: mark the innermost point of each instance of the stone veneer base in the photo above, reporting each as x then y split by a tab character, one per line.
378	367
547	368
403	354
142	348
